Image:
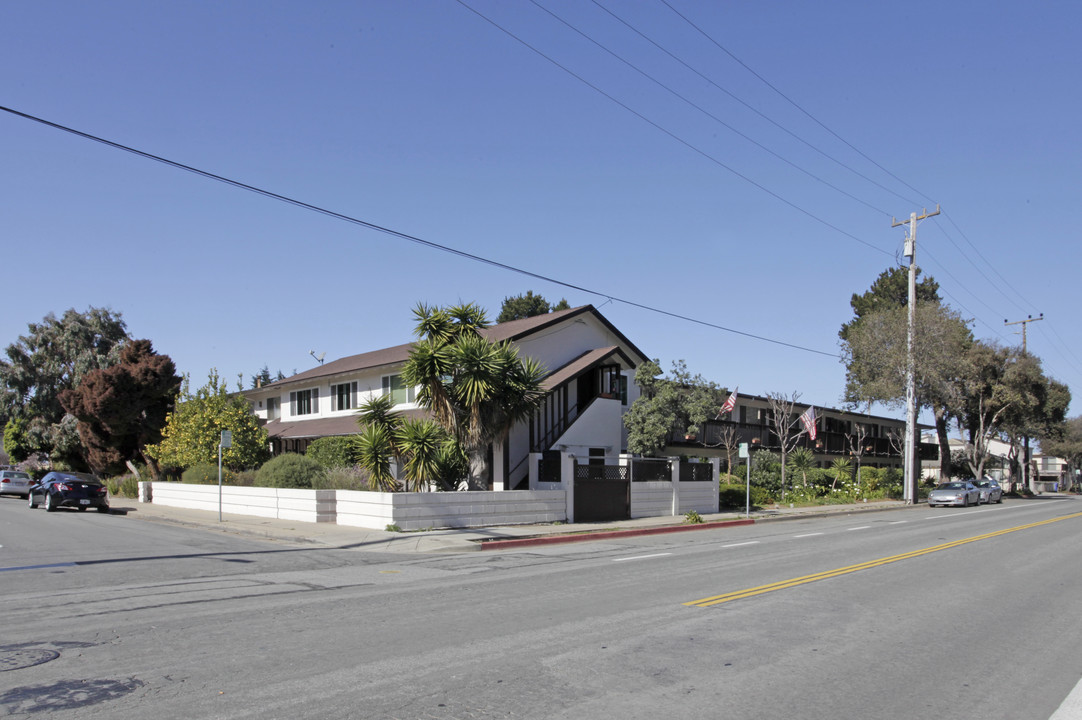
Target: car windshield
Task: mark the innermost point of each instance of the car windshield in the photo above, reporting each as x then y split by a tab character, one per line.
951	486
983	483
17	475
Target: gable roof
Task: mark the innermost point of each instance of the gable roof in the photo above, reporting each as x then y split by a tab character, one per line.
513	331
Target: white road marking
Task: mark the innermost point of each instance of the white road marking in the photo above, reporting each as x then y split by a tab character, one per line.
862	527
641	557
807	535
898	522
752	542
1071	708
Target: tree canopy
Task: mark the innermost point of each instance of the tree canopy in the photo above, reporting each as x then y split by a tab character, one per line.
52	357
681	402
528	305
193	430
874	350
122	408
1066	442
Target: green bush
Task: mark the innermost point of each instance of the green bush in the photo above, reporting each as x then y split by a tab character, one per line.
206	474
290	471
123	486
332	452
734	496
343	478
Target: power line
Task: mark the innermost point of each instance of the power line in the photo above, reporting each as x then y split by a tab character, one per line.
673	135
755	110
405	236
709	114
790	100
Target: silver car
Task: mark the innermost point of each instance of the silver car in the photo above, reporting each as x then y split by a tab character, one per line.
957	492
14	482
990	490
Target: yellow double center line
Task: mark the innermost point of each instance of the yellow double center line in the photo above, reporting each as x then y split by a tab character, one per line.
762	589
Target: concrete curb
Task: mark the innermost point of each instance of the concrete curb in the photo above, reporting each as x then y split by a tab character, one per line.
604	535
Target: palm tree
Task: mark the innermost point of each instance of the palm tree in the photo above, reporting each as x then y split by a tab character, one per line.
427	453
475	389
802	460
840	467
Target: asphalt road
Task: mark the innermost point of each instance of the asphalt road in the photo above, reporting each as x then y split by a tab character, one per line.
915	613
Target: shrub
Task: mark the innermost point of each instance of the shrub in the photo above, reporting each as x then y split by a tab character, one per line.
290	471
123	486
206	474
343	478
734	496
332	452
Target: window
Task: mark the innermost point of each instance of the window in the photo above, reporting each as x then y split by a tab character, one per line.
396	388
304	402
623	389
274	408
342	396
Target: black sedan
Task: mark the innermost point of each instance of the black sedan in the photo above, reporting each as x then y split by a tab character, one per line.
69	489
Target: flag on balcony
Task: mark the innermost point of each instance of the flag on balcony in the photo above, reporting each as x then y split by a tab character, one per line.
807	419
728	406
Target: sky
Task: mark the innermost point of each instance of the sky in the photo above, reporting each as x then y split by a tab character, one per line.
717	178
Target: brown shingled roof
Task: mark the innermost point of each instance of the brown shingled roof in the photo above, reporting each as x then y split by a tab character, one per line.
513	330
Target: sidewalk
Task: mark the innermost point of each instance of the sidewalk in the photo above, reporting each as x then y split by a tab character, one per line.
463	540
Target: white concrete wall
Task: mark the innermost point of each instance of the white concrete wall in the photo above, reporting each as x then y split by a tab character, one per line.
599	426
279	503
651	499
702	497
421	511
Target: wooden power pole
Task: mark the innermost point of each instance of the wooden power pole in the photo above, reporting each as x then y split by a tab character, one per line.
910	470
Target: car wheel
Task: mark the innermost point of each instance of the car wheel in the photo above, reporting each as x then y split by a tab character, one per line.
103	508
30	501
82	508
965	501
50	504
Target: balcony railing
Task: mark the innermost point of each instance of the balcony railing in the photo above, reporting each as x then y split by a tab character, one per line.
826	442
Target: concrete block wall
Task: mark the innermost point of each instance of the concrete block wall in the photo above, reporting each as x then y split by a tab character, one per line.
279	503
421	511
651	499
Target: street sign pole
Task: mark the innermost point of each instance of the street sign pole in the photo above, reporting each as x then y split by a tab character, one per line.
743	452
226	441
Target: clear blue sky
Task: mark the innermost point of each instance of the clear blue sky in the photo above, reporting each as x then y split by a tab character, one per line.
534	147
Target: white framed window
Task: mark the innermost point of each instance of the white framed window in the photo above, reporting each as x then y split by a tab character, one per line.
394	386
343	396
304	402
274	408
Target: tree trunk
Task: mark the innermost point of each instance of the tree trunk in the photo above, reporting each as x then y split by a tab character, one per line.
945	468
152	466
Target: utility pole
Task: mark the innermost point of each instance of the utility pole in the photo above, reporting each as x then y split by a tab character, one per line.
1025	438
909	461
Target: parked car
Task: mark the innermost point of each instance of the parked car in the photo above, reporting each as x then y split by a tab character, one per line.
957	492
990	490
14	482
69	489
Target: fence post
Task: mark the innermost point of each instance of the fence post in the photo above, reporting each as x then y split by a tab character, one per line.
674	473
715	465
532	468
567	479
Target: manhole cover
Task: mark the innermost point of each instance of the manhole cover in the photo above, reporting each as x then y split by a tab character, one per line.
17	659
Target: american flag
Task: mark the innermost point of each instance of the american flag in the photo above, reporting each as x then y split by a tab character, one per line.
728	406
807	419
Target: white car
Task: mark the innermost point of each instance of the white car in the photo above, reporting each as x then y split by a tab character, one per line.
14	482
